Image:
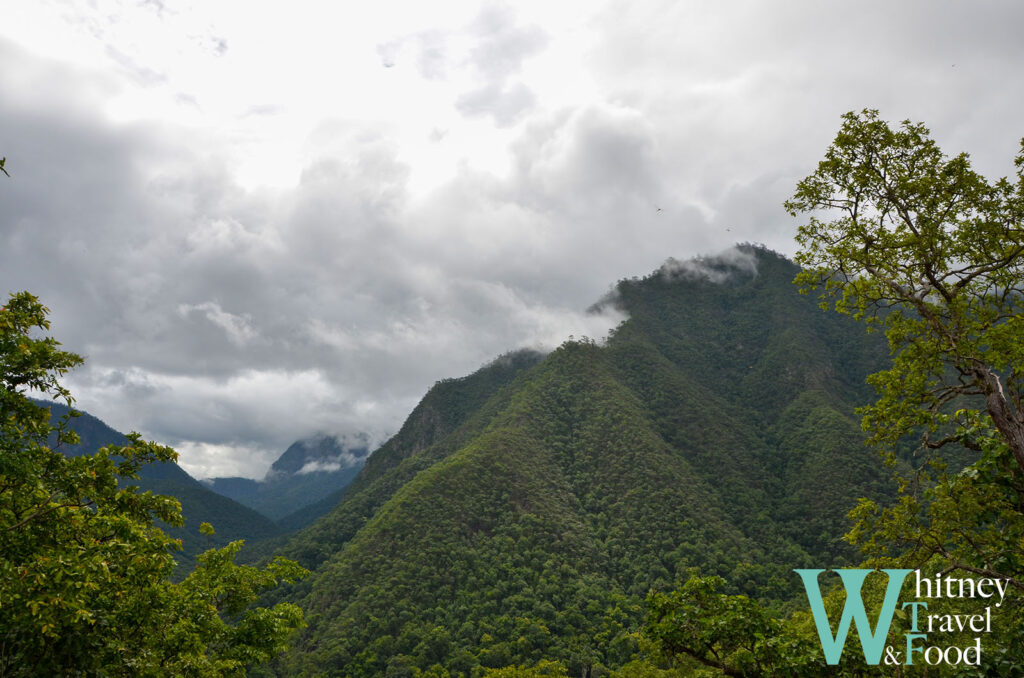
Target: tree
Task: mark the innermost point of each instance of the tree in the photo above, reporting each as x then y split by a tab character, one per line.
933	252
731	634
929	250
544	669
84	569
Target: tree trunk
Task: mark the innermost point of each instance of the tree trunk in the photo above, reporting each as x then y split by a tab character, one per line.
1007	420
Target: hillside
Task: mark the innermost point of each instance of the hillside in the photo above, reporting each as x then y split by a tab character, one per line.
445	407
198	504
713	430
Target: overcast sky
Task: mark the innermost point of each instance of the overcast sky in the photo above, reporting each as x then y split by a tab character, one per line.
261	220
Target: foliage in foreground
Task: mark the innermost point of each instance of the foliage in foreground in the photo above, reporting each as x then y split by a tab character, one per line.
84	586
933	253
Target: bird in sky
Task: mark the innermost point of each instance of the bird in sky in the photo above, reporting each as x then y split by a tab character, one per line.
2	161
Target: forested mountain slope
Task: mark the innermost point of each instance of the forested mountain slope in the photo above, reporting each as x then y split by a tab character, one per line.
713	430
447	406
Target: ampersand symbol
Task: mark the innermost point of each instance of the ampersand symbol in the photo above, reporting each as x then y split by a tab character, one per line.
891	656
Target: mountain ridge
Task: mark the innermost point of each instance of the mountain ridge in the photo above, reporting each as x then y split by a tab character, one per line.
546	511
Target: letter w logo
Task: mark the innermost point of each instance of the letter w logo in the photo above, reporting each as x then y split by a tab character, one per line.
853	610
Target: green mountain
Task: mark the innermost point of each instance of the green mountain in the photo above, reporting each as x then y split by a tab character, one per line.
525	511
307	472
449	403
198	504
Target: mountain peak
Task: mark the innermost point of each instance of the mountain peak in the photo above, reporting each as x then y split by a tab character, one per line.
321	452
739	260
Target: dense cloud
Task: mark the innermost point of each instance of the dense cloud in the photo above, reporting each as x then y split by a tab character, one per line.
476	183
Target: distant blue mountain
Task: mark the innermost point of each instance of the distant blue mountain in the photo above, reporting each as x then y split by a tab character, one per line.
199	504
307	472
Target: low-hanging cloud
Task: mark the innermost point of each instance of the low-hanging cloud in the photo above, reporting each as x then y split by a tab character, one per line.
718	268
331	464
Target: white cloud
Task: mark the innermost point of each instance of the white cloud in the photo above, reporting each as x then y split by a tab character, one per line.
718	268
238	328
331	464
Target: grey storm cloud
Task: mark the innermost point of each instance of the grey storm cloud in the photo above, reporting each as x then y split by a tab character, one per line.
214	315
